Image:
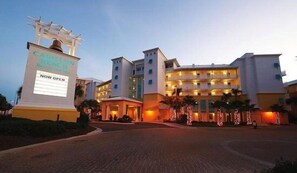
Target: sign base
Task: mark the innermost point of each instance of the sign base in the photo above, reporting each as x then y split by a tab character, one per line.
44	113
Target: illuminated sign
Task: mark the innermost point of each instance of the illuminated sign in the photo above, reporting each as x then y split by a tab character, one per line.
50	84
53	63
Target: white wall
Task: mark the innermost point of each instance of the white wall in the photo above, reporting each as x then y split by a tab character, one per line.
158	74
124	72
267	83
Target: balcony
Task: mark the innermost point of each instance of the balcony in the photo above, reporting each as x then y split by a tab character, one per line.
200	77
207	87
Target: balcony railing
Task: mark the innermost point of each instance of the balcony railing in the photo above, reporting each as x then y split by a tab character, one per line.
201	77
208	87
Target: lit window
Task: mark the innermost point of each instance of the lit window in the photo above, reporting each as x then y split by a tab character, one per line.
150	71
150	61
150	82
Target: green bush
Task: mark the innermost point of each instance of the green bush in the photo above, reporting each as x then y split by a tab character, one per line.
281	166
183	118
125	119
204	124
25	127
83	118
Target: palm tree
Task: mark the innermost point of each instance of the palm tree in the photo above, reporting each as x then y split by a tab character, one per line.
19	93
173	102
236	92
189	101
248	108
218	105
227	105
278	109
79	92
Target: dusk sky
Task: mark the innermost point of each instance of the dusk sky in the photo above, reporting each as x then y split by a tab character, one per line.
193	31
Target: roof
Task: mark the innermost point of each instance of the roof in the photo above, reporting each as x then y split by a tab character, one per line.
157	48
121	58
121	99
173	60
104	83
293	82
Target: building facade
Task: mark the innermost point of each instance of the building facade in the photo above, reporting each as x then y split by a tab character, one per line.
154	76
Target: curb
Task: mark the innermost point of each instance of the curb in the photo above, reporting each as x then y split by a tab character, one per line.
94	132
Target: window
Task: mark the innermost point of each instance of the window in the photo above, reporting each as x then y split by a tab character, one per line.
209	94
208	74
150	82
147	54
208	84
116	77
133	72
199	94
115	86
116	68
229	83
198	74
154	53
276	65
198	84
150	61
150	53
150	71
278	76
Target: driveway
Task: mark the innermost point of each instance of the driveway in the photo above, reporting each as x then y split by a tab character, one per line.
158	148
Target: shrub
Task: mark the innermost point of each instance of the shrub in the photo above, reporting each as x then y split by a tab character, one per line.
26	127
183	118
125	119
83	118
282	166
31	128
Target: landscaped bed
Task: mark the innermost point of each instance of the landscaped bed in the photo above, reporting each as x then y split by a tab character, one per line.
17	132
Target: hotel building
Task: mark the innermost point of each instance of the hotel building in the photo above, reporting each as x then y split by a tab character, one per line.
137	87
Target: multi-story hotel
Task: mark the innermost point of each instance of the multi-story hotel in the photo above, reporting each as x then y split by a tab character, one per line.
137	87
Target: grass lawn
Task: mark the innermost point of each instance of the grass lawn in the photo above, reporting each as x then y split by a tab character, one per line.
16	132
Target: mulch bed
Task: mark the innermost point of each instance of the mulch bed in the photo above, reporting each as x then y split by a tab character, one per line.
7	142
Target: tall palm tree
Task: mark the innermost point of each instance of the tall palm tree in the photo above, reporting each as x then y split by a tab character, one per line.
236	93
79	92
188	102
19	94
227	105
173	102
218	105
278	109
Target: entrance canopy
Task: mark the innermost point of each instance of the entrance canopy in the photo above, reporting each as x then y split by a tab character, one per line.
120	106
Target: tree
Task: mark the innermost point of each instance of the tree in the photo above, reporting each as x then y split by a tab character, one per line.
218	105
248	108
189	101
236	93
227	105
278	109
4	105
89	104
173	102
292	101
79	92
19	94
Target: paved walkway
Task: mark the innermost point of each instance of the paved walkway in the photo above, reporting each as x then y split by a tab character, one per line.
159	149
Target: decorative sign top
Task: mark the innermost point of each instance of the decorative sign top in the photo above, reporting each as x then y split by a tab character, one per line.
54	31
